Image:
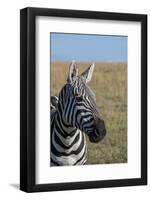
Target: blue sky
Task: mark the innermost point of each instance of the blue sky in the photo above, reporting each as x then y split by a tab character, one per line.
82	47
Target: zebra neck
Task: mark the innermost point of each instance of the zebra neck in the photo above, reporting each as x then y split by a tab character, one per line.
62	126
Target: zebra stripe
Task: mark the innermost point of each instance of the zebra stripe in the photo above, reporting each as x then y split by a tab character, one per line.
66	148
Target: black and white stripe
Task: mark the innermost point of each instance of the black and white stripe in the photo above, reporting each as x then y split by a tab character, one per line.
73	115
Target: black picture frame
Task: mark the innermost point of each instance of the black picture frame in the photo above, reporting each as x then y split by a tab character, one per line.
28	98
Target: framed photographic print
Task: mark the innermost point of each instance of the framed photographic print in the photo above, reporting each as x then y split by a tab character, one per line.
83	99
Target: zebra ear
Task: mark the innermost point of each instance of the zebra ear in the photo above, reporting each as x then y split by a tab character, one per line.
87	74
73	72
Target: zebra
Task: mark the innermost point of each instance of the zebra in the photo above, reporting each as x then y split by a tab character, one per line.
74	114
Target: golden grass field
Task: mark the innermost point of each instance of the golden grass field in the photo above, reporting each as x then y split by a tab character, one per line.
109	83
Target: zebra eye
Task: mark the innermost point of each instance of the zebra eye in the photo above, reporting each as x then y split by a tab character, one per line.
77	93
78	98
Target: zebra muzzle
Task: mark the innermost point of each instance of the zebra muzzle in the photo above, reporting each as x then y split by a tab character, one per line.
99	131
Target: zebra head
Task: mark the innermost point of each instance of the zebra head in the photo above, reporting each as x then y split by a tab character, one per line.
79	105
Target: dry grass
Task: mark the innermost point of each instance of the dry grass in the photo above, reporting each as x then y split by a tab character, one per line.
109	83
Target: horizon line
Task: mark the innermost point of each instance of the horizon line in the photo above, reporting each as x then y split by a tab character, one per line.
88	61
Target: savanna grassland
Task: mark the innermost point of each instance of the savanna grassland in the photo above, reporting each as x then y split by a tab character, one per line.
109	83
